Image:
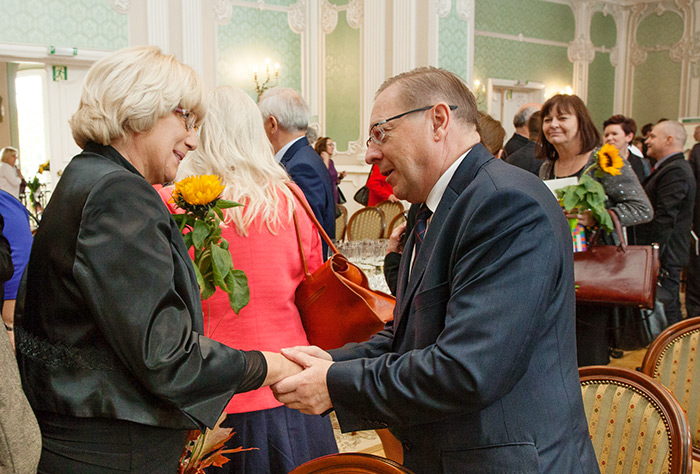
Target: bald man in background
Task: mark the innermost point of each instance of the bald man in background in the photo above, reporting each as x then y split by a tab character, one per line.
671	190
521	136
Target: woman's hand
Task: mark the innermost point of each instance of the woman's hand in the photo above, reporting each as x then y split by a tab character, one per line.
341	175
585	218
397	239
278	368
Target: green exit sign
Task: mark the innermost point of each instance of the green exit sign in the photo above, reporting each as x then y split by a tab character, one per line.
60	73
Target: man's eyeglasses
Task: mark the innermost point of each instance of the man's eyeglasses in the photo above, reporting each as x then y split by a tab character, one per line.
190	118
377	134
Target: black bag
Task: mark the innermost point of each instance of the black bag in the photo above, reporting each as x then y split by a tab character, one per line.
653	321
362	195
341	196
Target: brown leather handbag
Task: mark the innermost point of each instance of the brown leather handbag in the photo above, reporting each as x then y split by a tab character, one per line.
335	302
621	275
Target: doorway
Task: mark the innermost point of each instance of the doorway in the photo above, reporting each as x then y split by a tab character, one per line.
505	97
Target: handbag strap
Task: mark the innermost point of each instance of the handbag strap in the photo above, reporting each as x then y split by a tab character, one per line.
618	231
311	215
301	246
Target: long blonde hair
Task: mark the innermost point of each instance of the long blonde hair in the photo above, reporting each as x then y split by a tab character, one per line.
233	145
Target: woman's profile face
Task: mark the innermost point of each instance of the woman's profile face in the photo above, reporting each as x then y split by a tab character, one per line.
11	159
560	127
330	147
161	149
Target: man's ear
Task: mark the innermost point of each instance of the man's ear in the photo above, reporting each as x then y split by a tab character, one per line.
441	117
272	124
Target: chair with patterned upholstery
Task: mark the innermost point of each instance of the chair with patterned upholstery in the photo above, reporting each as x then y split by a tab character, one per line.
672	360
395	222
367	223
341	223
635	423
391	210
351	463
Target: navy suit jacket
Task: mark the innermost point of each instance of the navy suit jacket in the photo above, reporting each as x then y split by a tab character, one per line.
477	371
307	170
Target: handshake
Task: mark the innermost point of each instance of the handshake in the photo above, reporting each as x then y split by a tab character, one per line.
297	377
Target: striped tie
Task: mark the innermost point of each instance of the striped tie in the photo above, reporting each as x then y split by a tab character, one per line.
422	217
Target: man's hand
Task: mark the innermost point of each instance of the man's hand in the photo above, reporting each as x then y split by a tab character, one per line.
307	391
397	239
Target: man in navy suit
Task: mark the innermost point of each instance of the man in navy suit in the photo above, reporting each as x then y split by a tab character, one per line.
286	118
477	371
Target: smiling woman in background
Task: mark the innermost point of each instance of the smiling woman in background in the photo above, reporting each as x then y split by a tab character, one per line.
110	338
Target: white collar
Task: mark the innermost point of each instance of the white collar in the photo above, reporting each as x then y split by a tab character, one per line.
280	154
435	194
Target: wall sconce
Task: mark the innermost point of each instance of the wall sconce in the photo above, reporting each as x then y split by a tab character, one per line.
479	91
271	78
568	90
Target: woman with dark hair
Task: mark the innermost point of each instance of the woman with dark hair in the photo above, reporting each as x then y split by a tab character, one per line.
619	131
325	147
569	140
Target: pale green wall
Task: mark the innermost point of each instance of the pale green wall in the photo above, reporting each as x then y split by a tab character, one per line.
343	81
601	74
251	36
657	81
532	18
453	43
90	24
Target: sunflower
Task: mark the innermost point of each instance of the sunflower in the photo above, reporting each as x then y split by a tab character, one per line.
609	160
201	190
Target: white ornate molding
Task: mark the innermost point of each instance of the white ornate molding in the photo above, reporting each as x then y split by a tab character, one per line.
688	49
581	50
614	52
638	55
356	13
157	13
192	37
329	17
443	7
465	9
296	16
223	11
120	6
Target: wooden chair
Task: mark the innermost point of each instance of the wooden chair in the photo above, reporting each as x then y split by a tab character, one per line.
395	222
341	223
391	210
672	360
635	423
367	223
351	463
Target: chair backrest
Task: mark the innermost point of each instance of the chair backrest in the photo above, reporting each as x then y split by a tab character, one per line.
355	463
636	425
672	360
341	223
367	223
395	222
391	210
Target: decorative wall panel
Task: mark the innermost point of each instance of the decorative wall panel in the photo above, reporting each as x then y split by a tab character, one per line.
656	95
603	30
504	59
664	30
89	24
601	88
453	45
535	18
343	82
251	36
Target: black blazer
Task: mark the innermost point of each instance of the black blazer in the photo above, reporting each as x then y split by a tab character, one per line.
307	170
671	191
111	325
478	367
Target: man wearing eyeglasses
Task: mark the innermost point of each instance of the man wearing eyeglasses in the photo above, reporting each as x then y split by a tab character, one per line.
477	371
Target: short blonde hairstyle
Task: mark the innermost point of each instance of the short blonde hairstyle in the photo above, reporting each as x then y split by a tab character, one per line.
129	90
233	145
6	152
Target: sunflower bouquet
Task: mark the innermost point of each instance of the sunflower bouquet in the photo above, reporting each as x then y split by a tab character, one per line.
200	224
589	193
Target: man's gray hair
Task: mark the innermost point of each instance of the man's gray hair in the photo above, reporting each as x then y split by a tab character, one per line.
287	106
523	115
676	130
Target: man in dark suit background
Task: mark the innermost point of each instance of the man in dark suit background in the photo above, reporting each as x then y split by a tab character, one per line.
286	119
671	190
692	287
521	134
477	371
525	157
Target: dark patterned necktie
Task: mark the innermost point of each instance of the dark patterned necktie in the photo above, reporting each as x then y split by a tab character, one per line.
422	217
